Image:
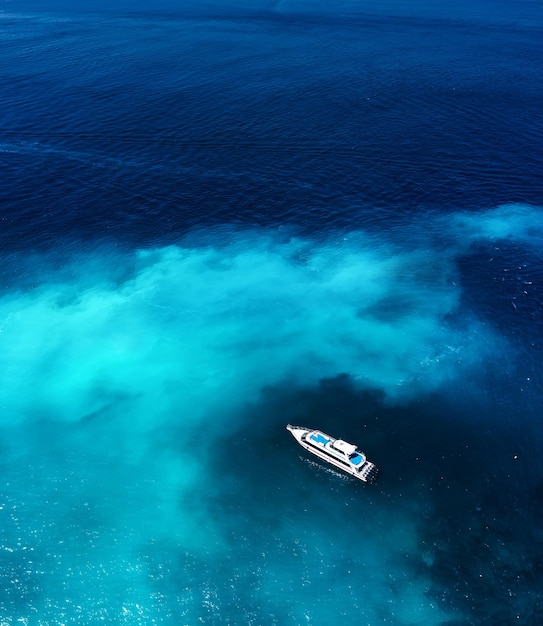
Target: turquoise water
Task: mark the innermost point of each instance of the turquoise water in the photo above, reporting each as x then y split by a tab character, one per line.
217	220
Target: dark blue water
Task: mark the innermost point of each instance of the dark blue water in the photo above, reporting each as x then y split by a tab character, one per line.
218	218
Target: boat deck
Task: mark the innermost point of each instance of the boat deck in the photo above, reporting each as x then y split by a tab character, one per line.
320	438
323	441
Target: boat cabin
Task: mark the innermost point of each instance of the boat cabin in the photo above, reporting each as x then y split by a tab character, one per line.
345	449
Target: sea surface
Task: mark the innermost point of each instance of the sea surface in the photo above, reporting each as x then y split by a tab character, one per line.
220	217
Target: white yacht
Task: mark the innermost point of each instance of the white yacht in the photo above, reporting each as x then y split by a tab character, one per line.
337	452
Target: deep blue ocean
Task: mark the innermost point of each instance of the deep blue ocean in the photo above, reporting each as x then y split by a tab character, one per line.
219	217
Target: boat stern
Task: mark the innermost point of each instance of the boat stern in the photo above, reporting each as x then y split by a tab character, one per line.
368	472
